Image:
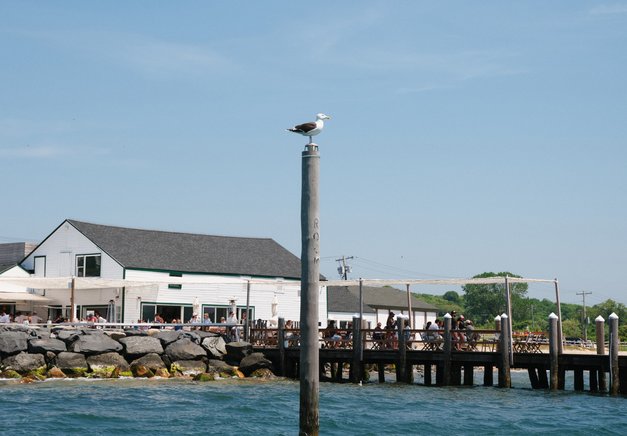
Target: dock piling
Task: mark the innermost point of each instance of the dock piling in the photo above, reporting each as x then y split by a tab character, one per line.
553	351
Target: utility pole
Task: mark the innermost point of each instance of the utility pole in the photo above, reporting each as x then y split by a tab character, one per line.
344	269
584	320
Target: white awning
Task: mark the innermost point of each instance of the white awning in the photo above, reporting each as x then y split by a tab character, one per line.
22	296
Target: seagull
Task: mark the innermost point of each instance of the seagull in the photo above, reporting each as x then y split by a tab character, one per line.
311	129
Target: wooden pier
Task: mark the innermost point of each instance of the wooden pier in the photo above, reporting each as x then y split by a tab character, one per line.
447	362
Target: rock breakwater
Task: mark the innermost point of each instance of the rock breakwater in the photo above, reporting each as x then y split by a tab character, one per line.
36	353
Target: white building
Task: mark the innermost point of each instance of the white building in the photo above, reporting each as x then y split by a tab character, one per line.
188	272
378	302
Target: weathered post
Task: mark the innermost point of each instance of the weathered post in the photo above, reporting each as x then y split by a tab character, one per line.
247	320
356	369
281	344
614	371
401	366
600	340
505	380
497	327
446	365
554	350
309	423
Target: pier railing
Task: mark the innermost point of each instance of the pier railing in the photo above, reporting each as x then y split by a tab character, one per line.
479	340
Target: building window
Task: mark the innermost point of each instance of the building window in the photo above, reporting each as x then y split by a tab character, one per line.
88	265
175	286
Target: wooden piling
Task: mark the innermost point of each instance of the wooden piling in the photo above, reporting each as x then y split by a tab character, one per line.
600	342
427	374
401	364
594	381
614	371
356	366
281	345
505	380
553	351
381	371
543	380
533	377
578	383
309	419
469	373
446	365
488	375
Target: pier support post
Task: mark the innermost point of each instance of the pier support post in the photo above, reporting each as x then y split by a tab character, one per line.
469	372
579	379
553	351
427	374
488	375
281	344
401	364
505	379
497	327
614	371
533	377
600	342
309	411
356	367
446	364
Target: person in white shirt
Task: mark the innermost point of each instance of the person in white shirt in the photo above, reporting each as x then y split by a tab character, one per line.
4	317
234	330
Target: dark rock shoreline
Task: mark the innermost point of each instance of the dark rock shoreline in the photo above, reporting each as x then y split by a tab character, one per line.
37	353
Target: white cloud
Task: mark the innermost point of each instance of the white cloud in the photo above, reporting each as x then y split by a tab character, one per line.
617	8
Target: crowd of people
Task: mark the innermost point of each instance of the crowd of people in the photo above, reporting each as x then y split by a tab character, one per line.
19	317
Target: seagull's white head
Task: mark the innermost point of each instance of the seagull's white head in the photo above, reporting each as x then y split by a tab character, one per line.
322	117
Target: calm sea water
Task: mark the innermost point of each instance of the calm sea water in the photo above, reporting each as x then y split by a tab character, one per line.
243	407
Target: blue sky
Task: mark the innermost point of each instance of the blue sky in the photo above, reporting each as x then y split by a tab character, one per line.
466	137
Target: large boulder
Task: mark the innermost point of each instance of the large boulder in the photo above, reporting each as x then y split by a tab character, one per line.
13	342
25	363
43	346
73	364
67	335
188	367
221	368
185	349
116	335
166	336
214	345
95	344
151	361
141	345
253	362
104	365
236	351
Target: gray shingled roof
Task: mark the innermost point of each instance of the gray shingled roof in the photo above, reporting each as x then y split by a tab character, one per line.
341	299
346	299
186	252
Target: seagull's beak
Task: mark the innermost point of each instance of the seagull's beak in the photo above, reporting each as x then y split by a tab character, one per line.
328	117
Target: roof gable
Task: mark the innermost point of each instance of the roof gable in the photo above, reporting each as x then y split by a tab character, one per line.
186	252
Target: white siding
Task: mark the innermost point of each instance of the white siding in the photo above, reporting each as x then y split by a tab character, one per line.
216	290
60	250
62	247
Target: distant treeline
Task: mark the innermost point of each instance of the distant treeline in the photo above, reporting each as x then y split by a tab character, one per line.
482	303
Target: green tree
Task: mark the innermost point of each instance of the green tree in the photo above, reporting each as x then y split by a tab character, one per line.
452	296
484	302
